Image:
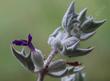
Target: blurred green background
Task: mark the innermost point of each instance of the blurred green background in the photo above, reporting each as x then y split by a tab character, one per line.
18	18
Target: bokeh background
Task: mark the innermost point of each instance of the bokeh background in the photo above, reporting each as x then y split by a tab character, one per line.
18	18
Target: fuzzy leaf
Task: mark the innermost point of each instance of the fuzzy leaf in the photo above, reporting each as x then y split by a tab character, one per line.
37	59
86	24
78	69
70	70
58	74
25	61
90	25
81	51
82	15
68	78
77	52
70	43
57	66
75	74
85	36
69	17
55	38
80	76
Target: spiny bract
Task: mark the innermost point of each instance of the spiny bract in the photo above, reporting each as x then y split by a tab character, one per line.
75	27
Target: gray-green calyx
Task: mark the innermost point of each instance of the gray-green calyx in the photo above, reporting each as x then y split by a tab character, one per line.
75	27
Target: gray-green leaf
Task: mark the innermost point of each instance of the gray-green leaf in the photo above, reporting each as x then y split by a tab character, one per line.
57	66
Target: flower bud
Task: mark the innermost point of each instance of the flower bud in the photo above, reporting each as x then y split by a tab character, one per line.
37	59
24	60
56	66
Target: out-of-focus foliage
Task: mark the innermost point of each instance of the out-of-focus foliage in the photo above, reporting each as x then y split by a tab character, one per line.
40	17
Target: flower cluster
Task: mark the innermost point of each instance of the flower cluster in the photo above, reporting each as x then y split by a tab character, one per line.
66	40
35	62
75	28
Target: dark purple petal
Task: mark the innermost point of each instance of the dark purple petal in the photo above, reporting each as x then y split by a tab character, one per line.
27	42
30	45
29	38
20	42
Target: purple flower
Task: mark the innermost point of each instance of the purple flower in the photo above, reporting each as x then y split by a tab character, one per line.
25	42
20	42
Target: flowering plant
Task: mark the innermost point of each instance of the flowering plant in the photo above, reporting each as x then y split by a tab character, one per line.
75	27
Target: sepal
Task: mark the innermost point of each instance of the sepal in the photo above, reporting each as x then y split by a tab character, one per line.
82	15
77	52
24	60
69	17
37	59
85	36
58	74
57	66
90	25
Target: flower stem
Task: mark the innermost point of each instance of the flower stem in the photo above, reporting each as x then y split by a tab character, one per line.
42	73
50	57
40	76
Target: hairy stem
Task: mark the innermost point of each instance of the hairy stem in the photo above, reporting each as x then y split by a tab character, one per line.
50	57
42	73
40	76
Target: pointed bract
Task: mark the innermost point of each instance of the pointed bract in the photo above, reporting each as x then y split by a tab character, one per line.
71	8
70	42
86	24
57	66
85	36
77	52
97	24
92	26
37	59
78	69
82	15
69	17
80	76
58	74
76	74
73	46
25	61
81	51
68	78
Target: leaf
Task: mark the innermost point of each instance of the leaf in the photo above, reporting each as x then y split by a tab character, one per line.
68	78
77	52
82	15
37	59
58	74
81	51
78	69
69	17
25	61
90	25
57	66
75	74
70	43
80	76
85	36
70	70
